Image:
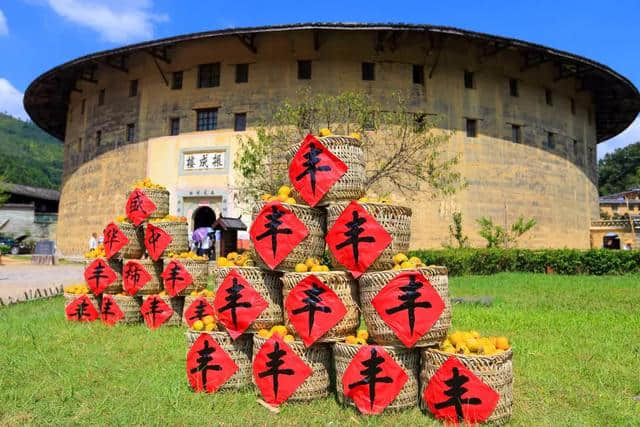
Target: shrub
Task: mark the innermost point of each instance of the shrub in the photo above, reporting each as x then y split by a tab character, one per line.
559	261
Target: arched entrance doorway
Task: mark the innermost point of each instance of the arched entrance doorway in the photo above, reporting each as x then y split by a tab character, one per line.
203	217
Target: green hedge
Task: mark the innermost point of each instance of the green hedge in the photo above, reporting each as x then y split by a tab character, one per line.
560	261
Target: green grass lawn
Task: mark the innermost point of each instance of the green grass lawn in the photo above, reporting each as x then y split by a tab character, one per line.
576	346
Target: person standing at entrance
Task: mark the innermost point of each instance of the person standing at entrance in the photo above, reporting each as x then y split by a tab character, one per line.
93	241
204	239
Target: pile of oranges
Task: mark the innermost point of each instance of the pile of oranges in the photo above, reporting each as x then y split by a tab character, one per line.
284	196
146	183
233	259
360	339
280	330
208	323
122	218
311	264
203	293
472	343
403	262
96	253
169	218
79	289
188	255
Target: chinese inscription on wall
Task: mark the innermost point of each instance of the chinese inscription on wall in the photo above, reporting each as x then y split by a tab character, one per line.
203	161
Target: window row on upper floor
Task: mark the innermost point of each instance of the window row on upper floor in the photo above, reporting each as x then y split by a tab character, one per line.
209	77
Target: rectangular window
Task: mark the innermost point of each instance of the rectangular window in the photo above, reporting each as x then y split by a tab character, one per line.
176	80
551	143
98	138
548	96
209	75
242	73
468	80
589	116
133	88
472	128
174	126
207	119
370	122
418	74
368	71
573	106
575	149
79	145
513	87
516	134
82	105
131	132
101	97
240	122
304	70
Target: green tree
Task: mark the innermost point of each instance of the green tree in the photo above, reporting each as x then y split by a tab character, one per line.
618	171
404	153
455	231
501	237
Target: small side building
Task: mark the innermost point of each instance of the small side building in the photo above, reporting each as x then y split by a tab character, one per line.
29	211
619	215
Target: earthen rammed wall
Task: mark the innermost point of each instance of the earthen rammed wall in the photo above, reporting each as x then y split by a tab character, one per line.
554	185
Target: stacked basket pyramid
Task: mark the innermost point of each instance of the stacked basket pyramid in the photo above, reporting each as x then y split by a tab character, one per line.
275	278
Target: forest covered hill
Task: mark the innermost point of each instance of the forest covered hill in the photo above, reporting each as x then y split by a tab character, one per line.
619	170
28	155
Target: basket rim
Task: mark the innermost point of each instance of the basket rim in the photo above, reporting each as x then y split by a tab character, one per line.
407	209
316	273
444	269
502	357
388	348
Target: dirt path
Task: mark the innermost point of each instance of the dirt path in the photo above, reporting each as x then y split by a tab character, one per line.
17	278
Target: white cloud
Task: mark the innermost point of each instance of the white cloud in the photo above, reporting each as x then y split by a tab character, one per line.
11	100
116	21
629	136
4	28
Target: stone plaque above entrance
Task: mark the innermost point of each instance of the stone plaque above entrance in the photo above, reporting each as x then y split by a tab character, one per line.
204	161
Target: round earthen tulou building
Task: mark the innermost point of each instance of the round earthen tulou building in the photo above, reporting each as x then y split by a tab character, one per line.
525	118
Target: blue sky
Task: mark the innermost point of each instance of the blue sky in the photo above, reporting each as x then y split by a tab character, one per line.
36	35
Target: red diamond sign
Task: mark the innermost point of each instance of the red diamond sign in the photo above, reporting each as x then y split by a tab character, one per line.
313	308
275	232
176	278
373	379
198	310
357	239
134	277
457	395
114	239
208	365
99	275
139	207
155	311
278	371
237	303
314	169
156	241
81	309
110	312
409	305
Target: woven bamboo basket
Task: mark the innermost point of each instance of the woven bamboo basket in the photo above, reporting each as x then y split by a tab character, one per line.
351	186
116	265
154	268
160	198
495	371
318	358
176	304
178	231
409	361
239	350
372	283
199	271
130	307
69	298
267	283
187	302
345	287
311	246
135	247
395	219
